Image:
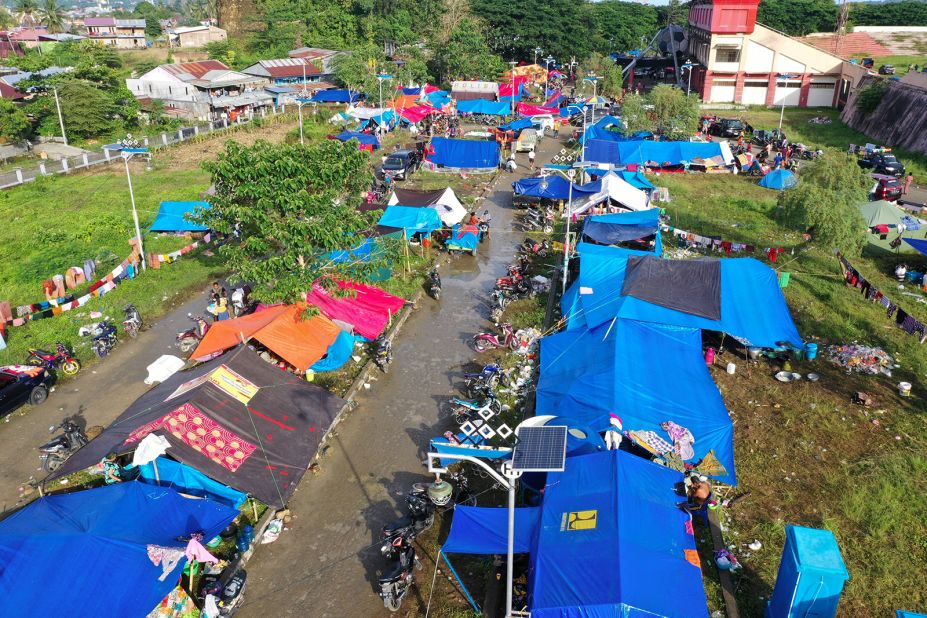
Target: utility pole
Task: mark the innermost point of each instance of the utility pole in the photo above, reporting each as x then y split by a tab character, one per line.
512	64
60	117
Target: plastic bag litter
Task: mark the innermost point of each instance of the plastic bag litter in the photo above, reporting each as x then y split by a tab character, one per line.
861	359
272	533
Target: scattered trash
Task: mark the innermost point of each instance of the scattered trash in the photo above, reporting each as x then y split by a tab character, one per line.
814	377
860	358
862	398
904	389
755	545
272	533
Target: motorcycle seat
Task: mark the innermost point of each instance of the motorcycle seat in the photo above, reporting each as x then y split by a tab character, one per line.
393	575
44	353
400	524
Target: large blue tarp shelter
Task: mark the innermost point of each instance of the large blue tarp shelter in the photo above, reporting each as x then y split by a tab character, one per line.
614	228
412	220
645	373
338	353
780	180
336	95
611	543
558	188
752	306
641	151
918	244
603	130
364	138
189	481
636	180
464	153
516	125
176	217
484	530
438	98
482	106
94	545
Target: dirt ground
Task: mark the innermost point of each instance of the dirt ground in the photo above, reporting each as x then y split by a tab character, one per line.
194	153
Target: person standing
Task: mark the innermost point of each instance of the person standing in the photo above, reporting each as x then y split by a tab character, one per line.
907	184
531	156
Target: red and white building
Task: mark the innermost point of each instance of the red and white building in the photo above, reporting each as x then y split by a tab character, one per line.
744	62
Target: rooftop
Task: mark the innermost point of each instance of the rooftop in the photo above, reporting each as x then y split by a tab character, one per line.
189	71
284	67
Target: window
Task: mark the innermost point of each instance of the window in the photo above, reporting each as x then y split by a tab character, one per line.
755	83
727	54
724	82
823	85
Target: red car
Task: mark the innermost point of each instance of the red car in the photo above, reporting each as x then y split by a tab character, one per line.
887	188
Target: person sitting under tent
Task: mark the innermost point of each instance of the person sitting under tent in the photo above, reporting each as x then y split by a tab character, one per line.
698	491
114	473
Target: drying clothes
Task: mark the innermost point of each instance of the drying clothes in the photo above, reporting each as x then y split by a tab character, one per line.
865	287
726	246
682	439
23	310
59	285
95	286
73	277
196	551
106	287
900	316
885	302
907	325
773	254
167	557
90	268
890	309
918	329
651	441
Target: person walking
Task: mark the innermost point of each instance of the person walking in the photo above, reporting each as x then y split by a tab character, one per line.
907	184
531	156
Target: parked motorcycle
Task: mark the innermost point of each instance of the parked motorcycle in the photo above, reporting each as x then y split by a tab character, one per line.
468	409
187	340
532	247
58	449
133	320
395	585
229	595
488	341
434	283
488	377
241	301
61	358
103	337
420	518
450	488
383	353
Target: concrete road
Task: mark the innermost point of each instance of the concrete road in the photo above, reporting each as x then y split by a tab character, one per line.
96	397
327	563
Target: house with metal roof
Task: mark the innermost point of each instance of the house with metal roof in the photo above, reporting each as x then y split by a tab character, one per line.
322	58
287	71
119	33
206	90
195	36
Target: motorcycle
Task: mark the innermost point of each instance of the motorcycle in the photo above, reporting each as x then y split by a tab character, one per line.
187	340
133	320
488	341
62	359
467	409
395	585
58	449
451	487
488	377
241	301
383	353
535	220
420	518
532	247
483	228
228	595
103	337
434	283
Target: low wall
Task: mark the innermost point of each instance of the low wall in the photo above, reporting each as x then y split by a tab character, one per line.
898	121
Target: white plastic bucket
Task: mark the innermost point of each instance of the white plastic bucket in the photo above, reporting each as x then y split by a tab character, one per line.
904	389
731	368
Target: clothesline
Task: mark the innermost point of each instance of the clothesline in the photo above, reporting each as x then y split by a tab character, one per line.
691	240
125	270
903	319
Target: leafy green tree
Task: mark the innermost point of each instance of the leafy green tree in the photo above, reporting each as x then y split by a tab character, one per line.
88	110
634	114
52	15
358	70
466	55
26	11
799	17
618	26
613	82
6	19
14	125
99	54
675	115
826	203
291	204
903	13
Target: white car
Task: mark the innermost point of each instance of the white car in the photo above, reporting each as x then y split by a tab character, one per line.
543	122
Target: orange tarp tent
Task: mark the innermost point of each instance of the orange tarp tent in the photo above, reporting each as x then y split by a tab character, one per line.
406	100
281	328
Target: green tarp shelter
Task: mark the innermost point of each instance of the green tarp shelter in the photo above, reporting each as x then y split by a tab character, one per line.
877	213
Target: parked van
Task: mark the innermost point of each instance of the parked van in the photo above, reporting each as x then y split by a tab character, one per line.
527	140
543	122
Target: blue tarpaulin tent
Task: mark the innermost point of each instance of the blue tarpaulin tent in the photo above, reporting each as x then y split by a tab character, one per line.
464	153
438	98
482	106
614	228
364	138
338	353
636	180
780	180
571	110
602	129
647	374
336	96
175	217
558	188
412	220
516	125
463	237
95	544
642	151
188	481
751	302
484	530
917	244
612	543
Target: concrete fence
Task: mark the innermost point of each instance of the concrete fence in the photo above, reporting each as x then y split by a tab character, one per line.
87	160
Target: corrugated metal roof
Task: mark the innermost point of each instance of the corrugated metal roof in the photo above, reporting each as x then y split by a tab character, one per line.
289	67
189	71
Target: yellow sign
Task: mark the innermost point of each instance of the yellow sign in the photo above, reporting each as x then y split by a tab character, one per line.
233	384
581	520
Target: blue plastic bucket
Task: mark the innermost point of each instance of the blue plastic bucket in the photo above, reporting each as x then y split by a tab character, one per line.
811	351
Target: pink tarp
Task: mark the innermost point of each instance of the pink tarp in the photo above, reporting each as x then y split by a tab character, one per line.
506	87
428	89
534	110
369	310
416	113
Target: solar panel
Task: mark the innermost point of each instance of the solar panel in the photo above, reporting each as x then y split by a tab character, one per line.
540	449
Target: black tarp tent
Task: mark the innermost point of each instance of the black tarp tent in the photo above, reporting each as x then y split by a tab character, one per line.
237	419
690	286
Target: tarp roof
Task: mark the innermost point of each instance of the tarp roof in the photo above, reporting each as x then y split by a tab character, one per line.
368	310
880	212
779	180
614	228
918	244
752	304
482	106
463	154
95	544
336	96
534	110
635	179
444	201
411	219
663	153
262	426
363	138
613	187
611	542
282	329
558	188
516	125
188	481
174	217
645	373
602	130
484	530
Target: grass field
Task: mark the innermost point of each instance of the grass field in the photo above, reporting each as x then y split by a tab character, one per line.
804	453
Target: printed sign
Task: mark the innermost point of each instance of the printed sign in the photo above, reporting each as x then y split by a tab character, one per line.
579	520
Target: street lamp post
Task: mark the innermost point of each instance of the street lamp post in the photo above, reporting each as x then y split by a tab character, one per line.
570	173
537	51
688	67
382	77
64	135
127	154
785	77
512	63
547	62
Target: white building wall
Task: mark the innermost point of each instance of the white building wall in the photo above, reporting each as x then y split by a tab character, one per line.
759	58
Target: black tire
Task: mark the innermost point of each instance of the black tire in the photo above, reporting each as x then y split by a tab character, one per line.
101	350
392	603
478	346
71	367
38	396
133	331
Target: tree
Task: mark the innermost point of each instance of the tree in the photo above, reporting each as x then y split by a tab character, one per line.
675	115
466	55
291	204
52	15
88	111
25	11
6	19
800	17
634	114
613	83
618	26
14	125
358	70
826	203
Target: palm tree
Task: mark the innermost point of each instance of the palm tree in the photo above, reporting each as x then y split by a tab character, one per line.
52	15
6	20
24	11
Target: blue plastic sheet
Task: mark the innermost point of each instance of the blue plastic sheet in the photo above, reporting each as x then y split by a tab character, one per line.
602	130
464	237
336	96
917	244
186	480
619	227
94	544
464	153
646	374
482	106
412	220
516	125
611	543
642	151
484	530
174	217
438	98
558	188
338	353
364	138
780	180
